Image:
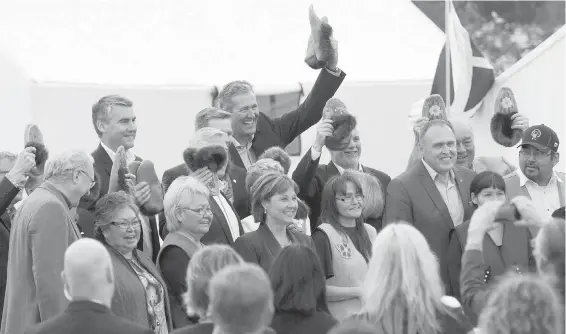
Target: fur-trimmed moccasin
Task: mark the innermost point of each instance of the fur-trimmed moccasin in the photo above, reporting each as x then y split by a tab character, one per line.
343	123
213	157
434	107
320	51
500	126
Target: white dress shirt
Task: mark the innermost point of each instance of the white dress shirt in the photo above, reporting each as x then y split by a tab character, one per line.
546	199
230	216
449	192
247	154
130	156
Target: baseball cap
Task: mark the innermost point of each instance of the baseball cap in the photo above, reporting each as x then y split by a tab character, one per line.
541	137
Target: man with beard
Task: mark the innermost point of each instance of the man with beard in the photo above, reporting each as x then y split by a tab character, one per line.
434	194
13	176
537	178
114	121
42	229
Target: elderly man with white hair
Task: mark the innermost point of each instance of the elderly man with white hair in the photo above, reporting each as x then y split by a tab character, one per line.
189	217
42	229
88	280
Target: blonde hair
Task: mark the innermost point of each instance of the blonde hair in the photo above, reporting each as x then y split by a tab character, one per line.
208	136
373	195
184	187
402	291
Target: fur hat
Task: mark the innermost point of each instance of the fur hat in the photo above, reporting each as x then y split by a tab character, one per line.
213	157
343	123
500	126
278	154
319	40
434	107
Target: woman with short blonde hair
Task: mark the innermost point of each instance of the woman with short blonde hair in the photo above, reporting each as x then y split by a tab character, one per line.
188	219
410	297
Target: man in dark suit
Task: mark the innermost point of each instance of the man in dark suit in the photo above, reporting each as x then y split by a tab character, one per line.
254	132
311	177
218	119
88	280
433	195
114	121
13	170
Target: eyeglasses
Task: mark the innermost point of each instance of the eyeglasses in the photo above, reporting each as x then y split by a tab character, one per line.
351	199
92	182
201	211
536	154
134	224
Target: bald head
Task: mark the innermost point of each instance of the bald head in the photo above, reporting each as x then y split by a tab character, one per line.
88	272
466	148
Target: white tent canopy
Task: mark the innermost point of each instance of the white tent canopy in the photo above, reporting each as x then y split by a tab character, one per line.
187	42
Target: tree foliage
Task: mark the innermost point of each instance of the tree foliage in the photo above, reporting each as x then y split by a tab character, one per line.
505	31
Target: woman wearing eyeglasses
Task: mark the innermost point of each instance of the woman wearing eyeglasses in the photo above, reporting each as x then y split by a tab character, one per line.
140	294
343	243
189	217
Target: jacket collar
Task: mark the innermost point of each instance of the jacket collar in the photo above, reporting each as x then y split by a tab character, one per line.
87	305
52	189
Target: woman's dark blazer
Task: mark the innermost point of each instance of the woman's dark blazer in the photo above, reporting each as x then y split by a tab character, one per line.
129	294
515	254
261	247
288	322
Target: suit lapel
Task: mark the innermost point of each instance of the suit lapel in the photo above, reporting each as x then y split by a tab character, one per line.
260	143
434	194
331	170
270	241
219	215
492	256
102	157
235	156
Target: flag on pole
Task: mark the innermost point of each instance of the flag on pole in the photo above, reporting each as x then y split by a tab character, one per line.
470	76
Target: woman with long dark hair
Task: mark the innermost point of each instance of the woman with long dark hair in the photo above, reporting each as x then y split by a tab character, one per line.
343	242
299	293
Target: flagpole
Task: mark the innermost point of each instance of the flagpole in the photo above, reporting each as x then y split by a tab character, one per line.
447	52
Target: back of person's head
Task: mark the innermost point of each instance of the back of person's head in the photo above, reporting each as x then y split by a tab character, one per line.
87	272
259	168
408	296
241	299
204	116
355	326
522	304
203	265
278	154
549	252
298	282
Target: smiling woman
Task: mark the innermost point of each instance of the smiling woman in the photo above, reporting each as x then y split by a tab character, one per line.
140	292
274	205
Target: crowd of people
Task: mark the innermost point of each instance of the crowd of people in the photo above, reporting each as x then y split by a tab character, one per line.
231	242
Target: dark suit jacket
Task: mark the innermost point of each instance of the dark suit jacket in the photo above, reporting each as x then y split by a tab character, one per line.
219	231
237	176
87	317
207	328
283	130
515	253
261	247
311	178
413	197
103	167
7	194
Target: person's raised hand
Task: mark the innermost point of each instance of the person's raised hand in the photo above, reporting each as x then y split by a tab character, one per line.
323	129
483	219
141	192
519	122
25	162
530	216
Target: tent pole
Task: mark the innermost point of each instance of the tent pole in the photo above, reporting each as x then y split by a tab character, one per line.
447	51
